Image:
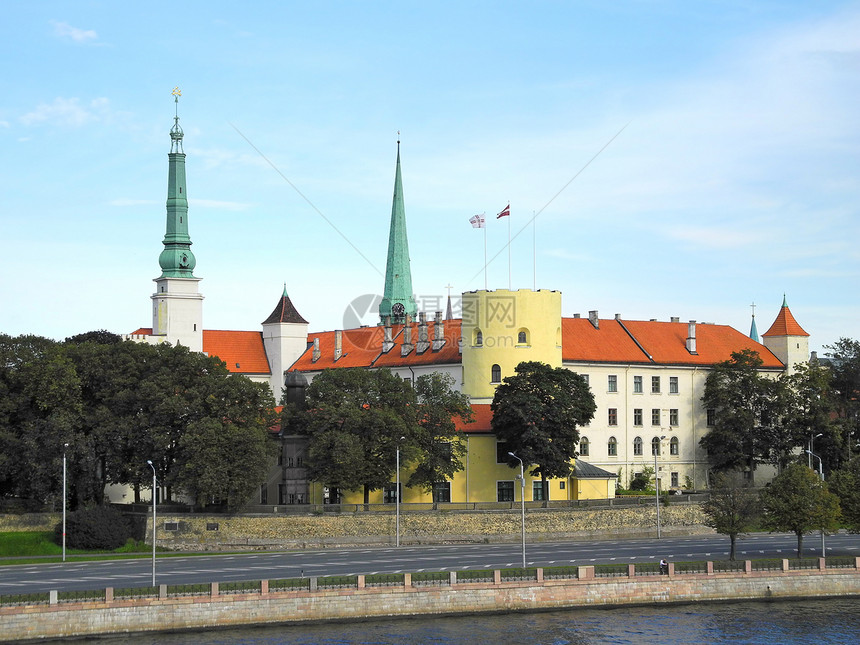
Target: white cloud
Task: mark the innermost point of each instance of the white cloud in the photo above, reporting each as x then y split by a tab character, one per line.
65	30
68	112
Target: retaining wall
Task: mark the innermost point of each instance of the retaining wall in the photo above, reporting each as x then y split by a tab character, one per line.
215	609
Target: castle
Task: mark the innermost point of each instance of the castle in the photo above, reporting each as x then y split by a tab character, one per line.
647	377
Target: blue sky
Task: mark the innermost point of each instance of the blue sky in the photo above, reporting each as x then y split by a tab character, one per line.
734	179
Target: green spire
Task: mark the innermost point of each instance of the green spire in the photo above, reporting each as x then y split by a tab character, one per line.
398	301
176	260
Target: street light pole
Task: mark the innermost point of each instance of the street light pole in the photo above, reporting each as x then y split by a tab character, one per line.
522	503
397	496
65	445
149	461
820	474
656	451
812	438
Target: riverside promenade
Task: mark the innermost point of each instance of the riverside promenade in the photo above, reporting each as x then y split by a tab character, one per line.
190	607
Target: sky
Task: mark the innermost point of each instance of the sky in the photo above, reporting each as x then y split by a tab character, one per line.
661	158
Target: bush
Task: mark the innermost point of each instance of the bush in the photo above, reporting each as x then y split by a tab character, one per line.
96	527
640	482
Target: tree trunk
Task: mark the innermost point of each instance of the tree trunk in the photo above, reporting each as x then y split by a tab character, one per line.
799	544
366	494
544	490
732	539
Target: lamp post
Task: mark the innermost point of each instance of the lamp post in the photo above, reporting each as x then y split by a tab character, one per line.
397	496
522	503
656	450
811	447
149	461
65	445
820	474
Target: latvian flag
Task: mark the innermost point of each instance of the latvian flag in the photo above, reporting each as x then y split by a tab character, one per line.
506	212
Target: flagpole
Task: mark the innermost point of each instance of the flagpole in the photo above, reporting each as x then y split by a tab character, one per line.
534	252
509	247
485	255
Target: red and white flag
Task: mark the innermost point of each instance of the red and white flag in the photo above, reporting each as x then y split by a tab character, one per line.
506	212
478	221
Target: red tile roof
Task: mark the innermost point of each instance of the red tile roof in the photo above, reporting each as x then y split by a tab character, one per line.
785	325
481	421
242	351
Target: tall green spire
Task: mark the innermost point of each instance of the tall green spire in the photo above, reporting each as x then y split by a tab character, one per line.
176	260
397	301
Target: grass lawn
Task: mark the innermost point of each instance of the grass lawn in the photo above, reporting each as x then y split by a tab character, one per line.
21	544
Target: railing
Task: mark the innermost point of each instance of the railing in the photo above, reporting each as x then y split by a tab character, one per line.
436	578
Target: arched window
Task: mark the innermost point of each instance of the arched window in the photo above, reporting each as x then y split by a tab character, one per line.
495	374
673	446
479	338
637	446
523	336
612	447
655	446
583	447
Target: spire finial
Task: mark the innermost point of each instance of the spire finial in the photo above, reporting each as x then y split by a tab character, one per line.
784	301
753	309
176	133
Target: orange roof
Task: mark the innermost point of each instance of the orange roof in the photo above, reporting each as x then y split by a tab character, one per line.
481	421
785	325
242	351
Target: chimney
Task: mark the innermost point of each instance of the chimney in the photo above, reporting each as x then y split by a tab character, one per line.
691	337
315	355
438	332
617	316
592	317
338	344
576	315
407	345
423	338
674	319
387	340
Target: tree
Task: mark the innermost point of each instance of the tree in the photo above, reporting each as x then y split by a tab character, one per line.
798	501
748	413
439	451
537	411
733	507
844	363
355	421
845	484
810	413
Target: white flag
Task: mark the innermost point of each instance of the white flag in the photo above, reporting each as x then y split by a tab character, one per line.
477	221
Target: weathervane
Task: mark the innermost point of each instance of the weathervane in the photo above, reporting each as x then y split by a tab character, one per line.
176	133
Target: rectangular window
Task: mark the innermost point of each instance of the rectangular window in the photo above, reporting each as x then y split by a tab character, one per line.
674	480
264	494
712	415
673	417
655	416
561	485
613	416
505	491
537	492
612	383
442	492
637	416
502	456
637	385
655	385
389	493
673	385
282	493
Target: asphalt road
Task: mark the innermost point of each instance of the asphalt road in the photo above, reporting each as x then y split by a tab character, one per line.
33	578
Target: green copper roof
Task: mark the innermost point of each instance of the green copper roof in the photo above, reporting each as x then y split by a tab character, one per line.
397	301
754	331
176	260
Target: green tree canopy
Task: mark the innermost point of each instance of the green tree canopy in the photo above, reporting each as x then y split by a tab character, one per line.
798	501
732	508
844	365
845	484
537	413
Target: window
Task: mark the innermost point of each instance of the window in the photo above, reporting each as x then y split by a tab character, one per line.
637	446
441	492
673	385
673	417
299	462
712	415
674	480
637	385
264	494
389	493
561	485
502	456
612	447
655	385
613	416
538	492
583	447
505	491
479	338
655	446
585	376
495	374
612	383
673	446
282	493
521	338
637	416
655	416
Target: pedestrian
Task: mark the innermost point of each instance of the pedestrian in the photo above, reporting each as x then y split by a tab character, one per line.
664	567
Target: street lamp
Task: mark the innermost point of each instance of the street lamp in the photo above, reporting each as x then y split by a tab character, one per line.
149	461
811	447
656	450
397	495
522	503
820	474
65	445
